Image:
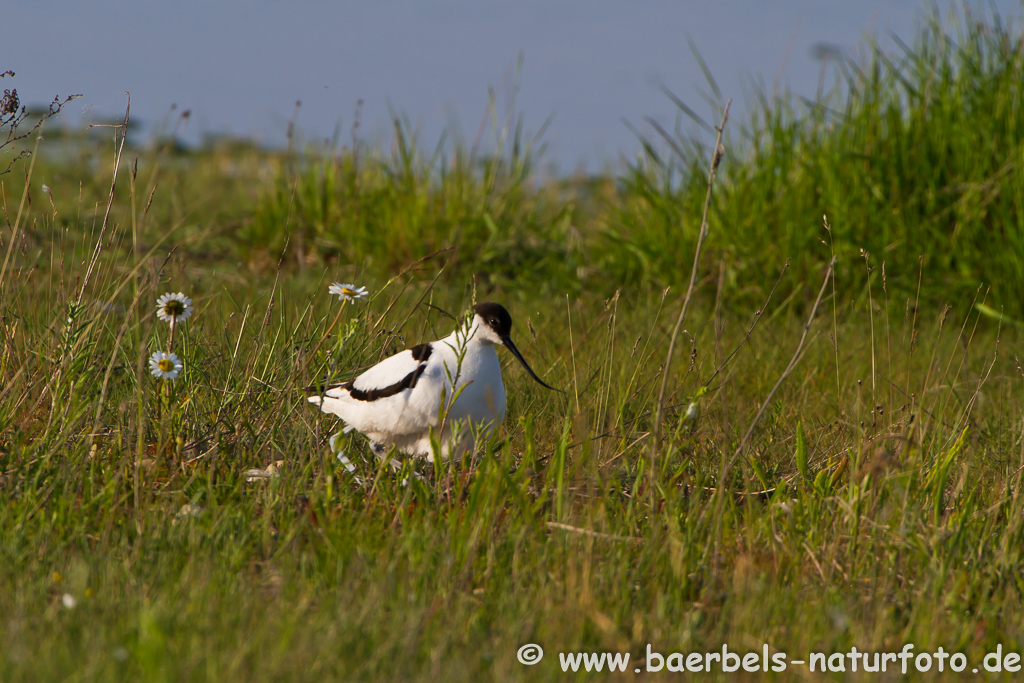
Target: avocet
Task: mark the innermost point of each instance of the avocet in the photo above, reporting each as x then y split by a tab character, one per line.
398	401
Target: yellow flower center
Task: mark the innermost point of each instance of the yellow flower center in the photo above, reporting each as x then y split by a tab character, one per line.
165	364
348	292
174	308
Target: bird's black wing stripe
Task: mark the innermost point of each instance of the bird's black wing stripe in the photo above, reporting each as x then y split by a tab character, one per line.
421	352
408	382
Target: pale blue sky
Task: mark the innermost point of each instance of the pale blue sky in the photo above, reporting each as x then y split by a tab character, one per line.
240	65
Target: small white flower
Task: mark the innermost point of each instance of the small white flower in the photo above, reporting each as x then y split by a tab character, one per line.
165	365
256	475
174	307
189	510
69	601
346	292
269	473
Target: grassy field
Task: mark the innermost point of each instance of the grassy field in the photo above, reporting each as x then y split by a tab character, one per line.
823	476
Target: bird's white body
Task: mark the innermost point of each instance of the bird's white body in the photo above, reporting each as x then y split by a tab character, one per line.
398	402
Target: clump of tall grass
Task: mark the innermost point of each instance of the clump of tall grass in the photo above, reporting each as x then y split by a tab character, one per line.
917	152
358	204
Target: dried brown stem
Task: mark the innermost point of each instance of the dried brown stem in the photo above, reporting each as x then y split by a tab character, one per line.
716	157
785	373
123	128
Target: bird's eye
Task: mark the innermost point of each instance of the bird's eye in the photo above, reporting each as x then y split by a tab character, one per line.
494	322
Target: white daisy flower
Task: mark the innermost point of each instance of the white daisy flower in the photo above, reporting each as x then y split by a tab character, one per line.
174	307
269	473
165	365
346	292
189	510
257	475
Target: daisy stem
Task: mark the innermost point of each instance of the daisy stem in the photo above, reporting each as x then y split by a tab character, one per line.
334	325
170	341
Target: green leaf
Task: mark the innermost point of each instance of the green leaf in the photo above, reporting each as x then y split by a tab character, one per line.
801	452
759	473
821	483
990	312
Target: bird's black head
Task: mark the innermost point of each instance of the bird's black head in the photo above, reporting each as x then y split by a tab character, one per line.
496	317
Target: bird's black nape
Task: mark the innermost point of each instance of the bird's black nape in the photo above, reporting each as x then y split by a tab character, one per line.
496	317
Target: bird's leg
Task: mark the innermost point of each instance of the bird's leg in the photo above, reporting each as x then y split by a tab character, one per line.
381	451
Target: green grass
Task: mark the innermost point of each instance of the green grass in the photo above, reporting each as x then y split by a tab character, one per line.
912	154
877	503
